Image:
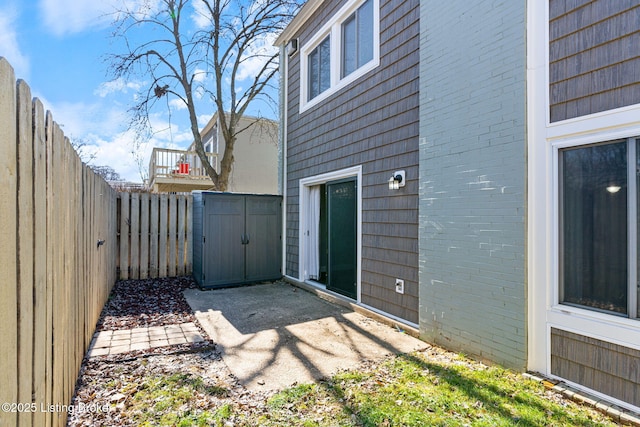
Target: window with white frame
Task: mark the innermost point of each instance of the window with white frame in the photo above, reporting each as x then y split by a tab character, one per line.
211	144
344	49
598	227
319	76
357	39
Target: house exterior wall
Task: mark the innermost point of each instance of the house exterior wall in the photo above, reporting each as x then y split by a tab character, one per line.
472	178
593	56
582	85
256	155
609	368
255	168
372	123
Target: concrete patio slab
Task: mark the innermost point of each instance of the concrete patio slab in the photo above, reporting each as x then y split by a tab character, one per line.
276	335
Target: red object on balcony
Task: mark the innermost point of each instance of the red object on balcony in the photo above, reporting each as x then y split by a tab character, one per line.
183	168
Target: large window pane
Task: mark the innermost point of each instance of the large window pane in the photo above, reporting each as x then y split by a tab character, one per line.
325	65
319	64
349	46
594	227
365	33
357	39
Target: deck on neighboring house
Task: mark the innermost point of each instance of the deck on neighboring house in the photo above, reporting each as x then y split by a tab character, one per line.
179	171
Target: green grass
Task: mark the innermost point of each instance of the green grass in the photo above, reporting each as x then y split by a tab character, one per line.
406	390
168	401
409	390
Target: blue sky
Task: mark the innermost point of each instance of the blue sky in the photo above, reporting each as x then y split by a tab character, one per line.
59	48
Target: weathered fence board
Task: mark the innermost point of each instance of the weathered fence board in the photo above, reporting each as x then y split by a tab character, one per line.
154	207
144	235
64	234
162	241
182	225
25	245
154	235
189	260
8	242
134	237
41	335
53	210
123	234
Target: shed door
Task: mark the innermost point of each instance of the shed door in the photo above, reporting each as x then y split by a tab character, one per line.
223	250
342	227
263	237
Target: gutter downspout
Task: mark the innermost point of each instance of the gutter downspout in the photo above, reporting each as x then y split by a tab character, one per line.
282	173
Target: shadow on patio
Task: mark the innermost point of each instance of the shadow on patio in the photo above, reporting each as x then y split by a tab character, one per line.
274	335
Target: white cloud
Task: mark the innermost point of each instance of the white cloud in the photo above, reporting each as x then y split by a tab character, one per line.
199	75
9	47
254	58
203	120
78	119
117	85
63	17
200	15
177	104
118	152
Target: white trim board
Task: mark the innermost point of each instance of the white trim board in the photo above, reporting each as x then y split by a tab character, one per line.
305	183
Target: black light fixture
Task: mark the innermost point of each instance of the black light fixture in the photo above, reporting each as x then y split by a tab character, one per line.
397	180
292	47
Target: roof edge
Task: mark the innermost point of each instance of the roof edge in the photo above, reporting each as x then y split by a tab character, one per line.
301	17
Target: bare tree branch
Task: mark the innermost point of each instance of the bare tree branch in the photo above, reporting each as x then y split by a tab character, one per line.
182	64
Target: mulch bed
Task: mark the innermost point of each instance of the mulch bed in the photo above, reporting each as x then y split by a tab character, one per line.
145	303
107	384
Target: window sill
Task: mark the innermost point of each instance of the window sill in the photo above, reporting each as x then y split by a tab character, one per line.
305	106
603	326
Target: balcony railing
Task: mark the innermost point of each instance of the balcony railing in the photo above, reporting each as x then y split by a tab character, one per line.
176	167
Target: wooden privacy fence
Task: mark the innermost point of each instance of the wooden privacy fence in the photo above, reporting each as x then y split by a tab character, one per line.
154	233
57	259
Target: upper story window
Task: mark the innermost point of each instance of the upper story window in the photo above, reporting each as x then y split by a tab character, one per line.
319	63
357	39
345	48
211	141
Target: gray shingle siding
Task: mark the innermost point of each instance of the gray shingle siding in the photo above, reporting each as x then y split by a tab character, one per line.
472	178
374	123
593	56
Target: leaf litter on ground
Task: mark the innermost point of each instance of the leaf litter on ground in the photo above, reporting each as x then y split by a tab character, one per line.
190	385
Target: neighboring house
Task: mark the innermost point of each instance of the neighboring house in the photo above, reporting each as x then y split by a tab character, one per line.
254	170
517	231
350	114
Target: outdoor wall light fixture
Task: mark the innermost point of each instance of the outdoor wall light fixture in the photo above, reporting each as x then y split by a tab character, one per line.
292	47
397	180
